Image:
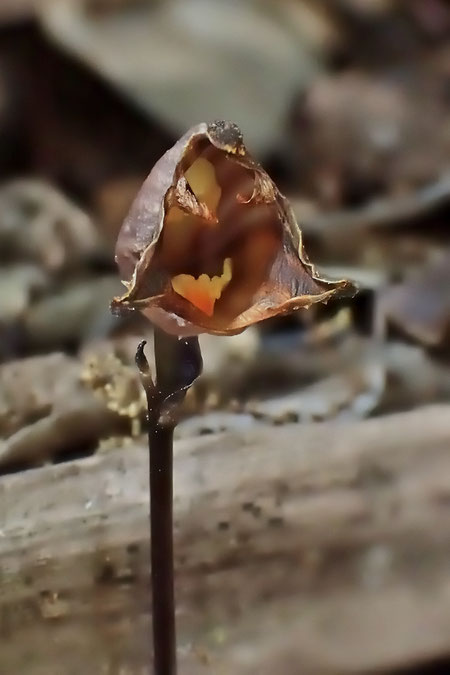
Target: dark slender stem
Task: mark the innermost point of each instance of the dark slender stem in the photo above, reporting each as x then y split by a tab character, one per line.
178	364
161	529
160	440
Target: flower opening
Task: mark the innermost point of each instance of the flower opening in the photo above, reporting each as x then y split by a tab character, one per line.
211	245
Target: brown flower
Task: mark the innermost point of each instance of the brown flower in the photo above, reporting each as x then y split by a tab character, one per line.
210	244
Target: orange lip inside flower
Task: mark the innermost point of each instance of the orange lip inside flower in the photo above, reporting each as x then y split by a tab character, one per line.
211	245
204	291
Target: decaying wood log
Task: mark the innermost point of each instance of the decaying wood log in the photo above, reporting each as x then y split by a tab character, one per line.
301	549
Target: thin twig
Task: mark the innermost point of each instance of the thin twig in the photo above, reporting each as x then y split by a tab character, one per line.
387	212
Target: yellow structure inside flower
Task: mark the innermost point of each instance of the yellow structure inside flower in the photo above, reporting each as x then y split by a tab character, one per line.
201	177
203	291
180	226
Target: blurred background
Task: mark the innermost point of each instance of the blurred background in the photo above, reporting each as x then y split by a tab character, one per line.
346	103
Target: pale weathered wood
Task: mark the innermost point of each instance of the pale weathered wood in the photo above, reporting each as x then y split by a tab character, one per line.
300	549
